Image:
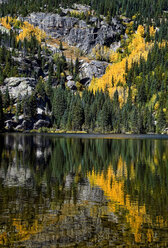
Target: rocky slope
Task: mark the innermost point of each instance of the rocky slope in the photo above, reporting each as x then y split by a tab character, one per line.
19	86
77	32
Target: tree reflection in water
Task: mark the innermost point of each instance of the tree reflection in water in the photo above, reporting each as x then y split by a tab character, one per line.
83	192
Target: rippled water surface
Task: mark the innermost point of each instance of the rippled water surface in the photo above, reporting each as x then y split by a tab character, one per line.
67	192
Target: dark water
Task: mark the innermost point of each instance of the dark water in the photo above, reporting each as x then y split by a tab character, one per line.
67	192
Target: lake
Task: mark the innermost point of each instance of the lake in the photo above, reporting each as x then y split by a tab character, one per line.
83	192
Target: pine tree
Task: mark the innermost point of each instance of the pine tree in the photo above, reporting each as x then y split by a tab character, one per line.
33	106
78	114
58	105
76	72
161	121
18	106
6	100
61	46
1	114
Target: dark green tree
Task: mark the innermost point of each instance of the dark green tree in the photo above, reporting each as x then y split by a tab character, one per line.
1	113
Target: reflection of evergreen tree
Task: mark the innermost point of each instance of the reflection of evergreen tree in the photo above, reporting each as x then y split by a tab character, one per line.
140	164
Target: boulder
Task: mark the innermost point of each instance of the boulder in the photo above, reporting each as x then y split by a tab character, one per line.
92	69
25	125
41	123
81	8
26	65
71	85
3	1
19	85
93	19
40	111
69	78
82	24
114	46
9	124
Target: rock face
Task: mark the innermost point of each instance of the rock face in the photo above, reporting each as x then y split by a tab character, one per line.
87	38
71	85
25	125
53	24
41	123
3	1
88	70
19	85
76	32
9	124
92	69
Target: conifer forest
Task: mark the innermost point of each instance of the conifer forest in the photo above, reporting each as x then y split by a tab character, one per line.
84	65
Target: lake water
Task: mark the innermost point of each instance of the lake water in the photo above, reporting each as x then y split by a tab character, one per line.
76	192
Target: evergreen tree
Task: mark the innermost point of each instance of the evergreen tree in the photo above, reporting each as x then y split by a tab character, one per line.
1	113
161	121
58	105
78	114
6	99
33	106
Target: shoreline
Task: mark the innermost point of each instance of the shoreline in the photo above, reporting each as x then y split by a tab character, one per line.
92	135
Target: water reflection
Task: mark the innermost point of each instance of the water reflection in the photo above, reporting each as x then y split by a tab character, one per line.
57	192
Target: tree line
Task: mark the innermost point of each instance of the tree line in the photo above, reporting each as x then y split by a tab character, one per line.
146	10
145	108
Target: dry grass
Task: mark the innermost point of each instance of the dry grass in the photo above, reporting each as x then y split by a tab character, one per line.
69	51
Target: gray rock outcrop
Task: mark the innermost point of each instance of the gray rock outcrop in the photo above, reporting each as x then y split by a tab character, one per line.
18	86
53	24
71	85
3	1
9	124
25	125
87	38
93	69
41	123
77	32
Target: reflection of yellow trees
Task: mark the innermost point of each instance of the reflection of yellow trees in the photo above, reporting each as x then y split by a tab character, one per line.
25	229
113	186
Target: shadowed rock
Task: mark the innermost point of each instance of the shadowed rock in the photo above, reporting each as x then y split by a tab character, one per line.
19	85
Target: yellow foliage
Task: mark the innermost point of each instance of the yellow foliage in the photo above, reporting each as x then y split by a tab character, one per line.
101	52
152	31
114	57
137	48
152	101
29	30
140	30
26	29
113	187
9	22
134	17
5	21
156	106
